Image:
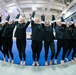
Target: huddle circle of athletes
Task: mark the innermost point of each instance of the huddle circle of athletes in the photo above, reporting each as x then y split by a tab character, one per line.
65	34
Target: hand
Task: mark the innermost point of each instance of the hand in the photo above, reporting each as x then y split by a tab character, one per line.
43	17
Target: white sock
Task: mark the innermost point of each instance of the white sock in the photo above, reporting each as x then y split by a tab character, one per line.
4	59
12	61
55	61
66	59
33	63
24	63
21	62
37	63
9	60
46	63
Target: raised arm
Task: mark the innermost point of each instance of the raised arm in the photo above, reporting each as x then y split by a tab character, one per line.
72	22
5	23
32	18
33	14
16	19
43	17
53	22
7	18
43	20
63	22
0	18
26	25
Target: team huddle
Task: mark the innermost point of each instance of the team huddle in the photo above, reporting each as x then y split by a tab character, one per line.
65	34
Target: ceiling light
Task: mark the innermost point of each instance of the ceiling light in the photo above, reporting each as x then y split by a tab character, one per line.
64	12
34	7
10	11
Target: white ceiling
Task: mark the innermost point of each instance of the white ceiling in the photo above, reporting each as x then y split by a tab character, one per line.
24	7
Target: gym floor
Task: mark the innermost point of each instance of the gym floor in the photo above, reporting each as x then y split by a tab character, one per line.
13	69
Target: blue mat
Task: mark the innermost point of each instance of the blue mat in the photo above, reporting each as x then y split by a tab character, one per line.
29	59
